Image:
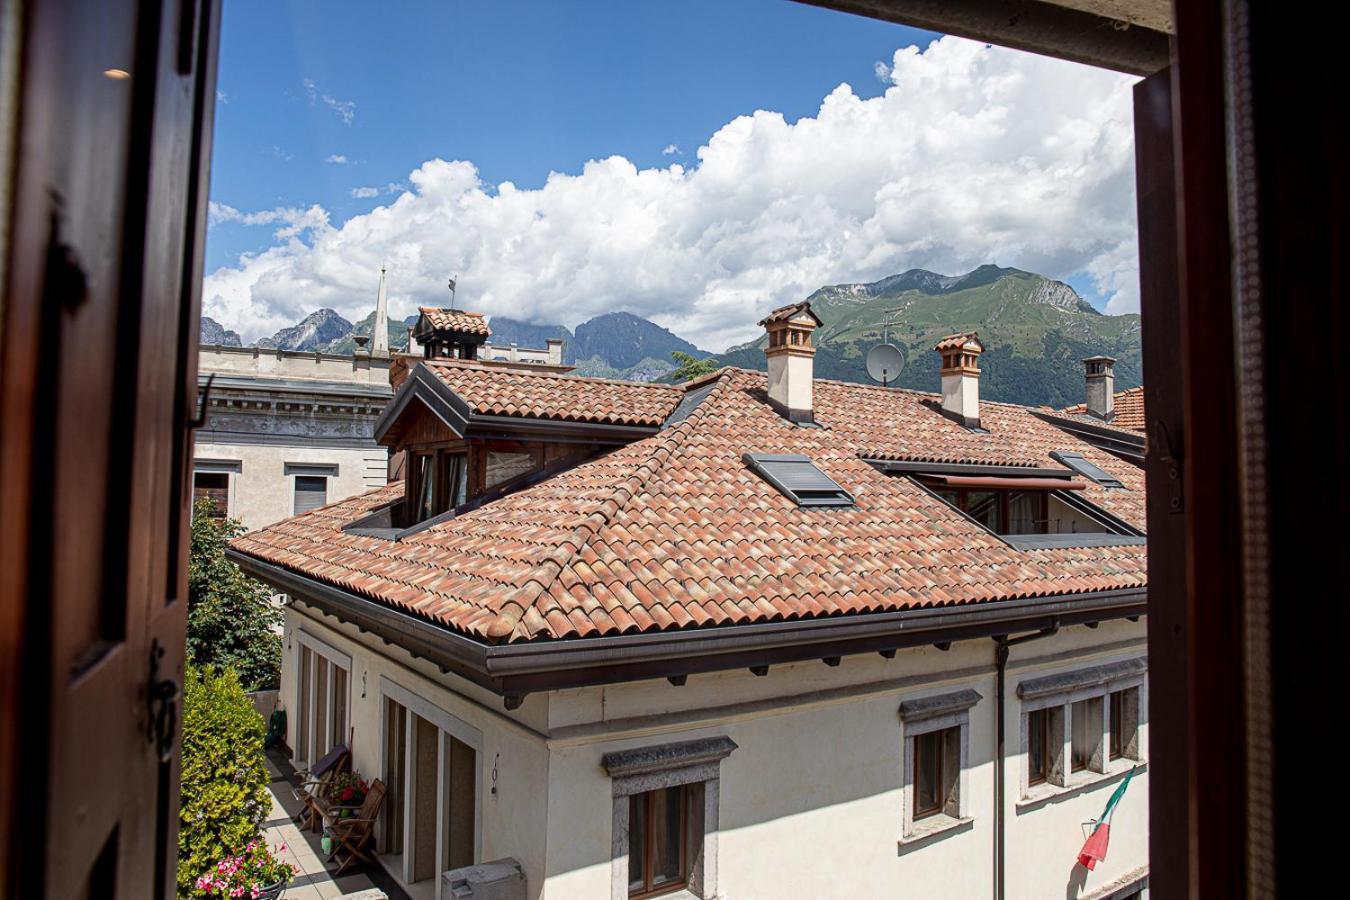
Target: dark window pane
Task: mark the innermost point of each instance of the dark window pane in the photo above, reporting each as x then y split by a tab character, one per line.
1117	724
927	777
456	479
985	507
667	832
426	478
1037	745
1081	736
637	843
1025	512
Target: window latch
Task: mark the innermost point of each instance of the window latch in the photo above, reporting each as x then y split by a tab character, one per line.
161	710
198	420
1171	462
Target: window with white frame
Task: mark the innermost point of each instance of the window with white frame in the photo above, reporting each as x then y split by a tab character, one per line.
1081	724
323	698
665	818
309	485
936	736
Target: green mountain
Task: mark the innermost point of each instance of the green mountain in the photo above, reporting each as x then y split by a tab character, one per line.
1036	332
398	335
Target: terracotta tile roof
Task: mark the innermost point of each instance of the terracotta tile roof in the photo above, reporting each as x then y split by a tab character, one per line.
551	395
791	311
455	320
1129	410
957	341
674	531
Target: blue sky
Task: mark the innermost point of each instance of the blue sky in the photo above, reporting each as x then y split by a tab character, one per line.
696	164
520	87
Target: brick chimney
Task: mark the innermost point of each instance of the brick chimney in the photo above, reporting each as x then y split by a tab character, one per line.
791	360
1101	386
961	377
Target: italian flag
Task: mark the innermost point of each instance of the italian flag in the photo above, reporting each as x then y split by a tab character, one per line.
1094	849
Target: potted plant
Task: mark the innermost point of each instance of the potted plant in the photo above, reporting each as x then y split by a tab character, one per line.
255	874
345	794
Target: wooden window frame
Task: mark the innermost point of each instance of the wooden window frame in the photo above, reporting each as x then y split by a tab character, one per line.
648	799
939	737
962	502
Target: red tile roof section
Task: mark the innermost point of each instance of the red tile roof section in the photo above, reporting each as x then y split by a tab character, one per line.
491	390
1129	406
674	531
455	320
957	341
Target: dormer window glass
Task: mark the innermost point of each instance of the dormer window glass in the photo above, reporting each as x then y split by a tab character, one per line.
1080	465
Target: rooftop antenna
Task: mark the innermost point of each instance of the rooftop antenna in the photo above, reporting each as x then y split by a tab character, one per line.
452	292
885	361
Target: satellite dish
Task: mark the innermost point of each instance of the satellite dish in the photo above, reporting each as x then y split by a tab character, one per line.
885	362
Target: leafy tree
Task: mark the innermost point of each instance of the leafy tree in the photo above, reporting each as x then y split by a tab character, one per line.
224	797
232	623
691	366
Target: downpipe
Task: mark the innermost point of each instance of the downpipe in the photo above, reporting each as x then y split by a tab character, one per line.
1002	644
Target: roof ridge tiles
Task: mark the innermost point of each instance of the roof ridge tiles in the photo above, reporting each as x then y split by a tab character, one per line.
501	371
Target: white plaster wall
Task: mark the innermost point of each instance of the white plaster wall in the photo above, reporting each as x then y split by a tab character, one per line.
810	802
262	493
513	820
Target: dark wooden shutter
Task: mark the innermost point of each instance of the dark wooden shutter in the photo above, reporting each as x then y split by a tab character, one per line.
99	356
213	486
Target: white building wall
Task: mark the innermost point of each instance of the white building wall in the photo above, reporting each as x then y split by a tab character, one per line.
810	802
513	820
262	493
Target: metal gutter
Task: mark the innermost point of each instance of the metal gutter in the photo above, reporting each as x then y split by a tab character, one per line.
514	670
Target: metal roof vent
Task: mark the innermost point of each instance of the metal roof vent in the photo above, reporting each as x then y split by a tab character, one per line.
799	479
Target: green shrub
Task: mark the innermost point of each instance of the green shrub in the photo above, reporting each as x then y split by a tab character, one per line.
224	787
232	622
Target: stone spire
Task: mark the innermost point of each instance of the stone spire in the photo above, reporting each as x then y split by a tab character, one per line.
379	332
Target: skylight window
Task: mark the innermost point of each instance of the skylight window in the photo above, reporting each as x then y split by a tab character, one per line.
798	478
1080	465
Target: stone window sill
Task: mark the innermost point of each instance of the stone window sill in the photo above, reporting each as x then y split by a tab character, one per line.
1079	783
933	828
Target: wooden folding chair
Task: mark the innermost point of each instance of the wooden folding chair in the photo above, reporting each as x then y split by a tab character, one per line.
350	836
314	782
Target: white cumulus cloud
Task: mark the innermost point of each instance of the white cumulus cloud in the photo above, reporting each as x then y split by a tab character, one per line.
671	150
337	159
974	154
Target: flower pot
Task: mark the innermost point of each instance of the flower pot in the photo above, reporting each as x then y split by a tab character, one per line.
272	891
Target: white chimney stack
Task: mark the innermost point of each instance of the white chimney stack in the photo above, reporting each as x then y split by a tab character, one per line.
791	360
1101	386
961	377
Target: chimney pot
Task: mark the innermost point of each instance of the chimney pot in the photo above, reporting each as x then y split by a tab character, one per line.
791	359
960	355
1100	373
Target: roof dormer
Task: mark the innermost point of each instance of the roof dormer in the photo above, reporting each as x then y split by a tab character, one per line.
450	333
